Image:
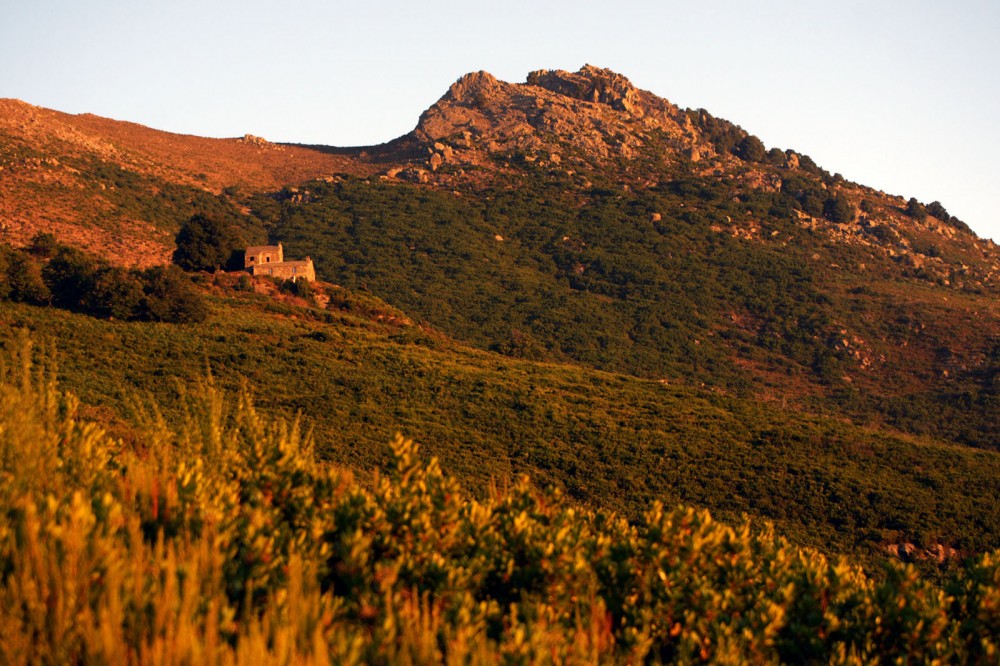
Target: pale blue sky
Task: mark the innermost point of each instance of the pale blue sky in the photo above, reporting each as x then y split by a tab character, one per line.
898	95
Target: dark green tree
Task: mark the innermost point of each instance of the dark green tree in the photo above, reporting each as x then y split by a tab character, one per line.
807	164
937	210
21	279
5	253
776	157
206	243
70	277
751	149
171	297
812	203
116	293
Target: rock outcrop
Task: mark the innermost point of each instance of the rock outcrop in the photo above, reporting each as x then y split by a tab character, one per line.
594	112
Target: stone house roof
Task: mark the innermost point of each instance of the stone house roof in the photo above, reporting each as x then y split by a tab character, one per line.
257	249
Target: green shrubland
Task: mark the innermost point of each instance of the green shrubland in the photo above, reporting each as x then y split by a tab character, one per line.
653	283
218	537
359	373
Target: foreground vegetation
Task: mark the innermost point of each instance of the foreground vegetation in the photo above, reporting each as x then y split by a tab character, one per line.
219	538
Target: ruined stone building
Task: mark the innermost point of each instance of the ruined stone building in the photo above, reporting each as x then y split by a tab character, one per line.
270	260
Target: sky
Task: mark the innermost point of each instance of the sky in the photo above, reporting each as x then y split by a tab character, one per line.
900	96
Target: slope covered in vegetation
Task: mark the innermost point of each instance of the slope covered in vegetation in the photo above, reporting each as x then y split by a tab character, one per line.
656	283
219	538
359	373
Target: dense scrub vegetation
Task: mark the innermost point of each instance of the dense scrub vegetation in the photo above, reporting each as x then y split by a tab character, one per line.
218	537
359	372
599	284
652	283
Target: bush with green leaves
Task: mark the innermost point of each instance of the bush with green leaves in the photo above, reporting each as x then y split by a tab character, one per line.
838	208
169	296
300	288
776	157
751	149
916	210
936	209
76	281
116	293
70	276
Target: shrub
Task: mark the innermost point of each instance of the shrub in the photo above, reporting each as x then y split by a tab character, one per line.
776	157
937	210
5	253
838	208
300	288
807	164
813	203
916	210
116	293
21	279
724	135
243	283
227	537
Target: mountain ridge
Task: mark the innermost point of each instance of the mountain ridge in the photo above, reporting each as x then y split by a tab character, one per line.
481	129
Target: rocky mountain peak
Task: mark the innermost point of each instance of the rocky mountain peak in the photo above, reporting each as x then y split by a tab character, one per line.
594	112
591	84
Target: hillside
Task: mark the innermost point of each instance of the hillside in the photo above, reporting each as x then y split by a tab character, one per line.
587	127
575	218
614	282
122	190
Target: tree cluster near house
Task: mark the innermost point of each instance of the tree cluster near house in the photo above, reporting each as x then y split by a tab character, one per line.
209	243
48	273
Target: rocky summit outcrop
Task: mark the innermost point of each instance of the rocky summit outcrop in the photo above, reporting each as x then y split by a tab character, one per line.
600	86
593	112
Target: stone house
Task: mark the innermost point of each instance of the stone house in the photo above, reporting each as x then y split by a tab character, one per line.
270	260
